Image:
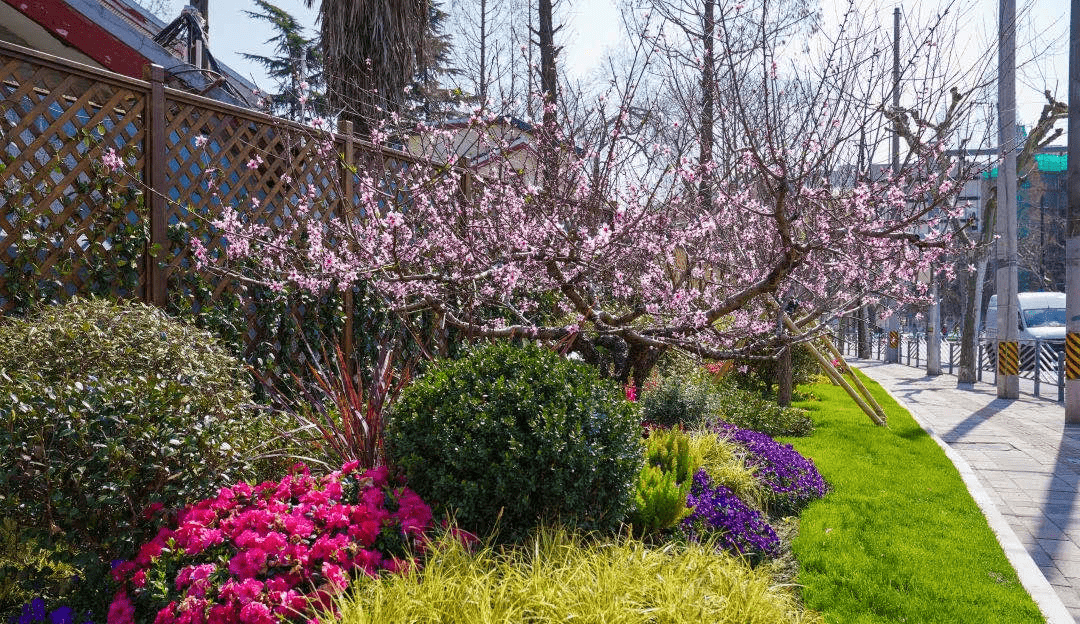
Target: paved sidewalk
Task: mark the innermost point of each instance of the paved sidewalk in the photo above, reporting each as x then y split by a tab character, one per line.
1022	465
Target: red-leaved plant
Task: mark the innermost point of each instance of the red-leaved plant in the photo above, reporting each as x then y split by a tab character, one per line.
348	418
275	552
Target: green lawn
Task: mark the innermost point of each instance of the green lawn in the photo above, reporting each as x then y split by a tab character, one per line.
899	538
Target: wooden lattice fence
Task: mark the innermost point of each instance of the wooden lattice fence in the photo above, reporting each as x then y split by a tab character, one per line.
64	232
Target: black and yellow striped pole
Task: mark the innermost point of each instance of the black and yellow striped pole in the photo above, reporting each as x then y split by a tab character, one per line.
1072	356
1008	359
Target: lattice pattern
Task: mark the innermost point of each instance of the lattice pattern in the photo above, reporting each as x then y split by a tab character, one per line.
219	158
57	234
67	229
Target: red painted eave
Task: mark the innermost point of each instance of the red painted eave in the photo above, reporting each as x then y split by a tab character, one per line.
78	31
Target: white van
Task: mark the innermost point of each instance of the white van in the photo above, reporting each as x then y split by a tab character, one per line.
1042	316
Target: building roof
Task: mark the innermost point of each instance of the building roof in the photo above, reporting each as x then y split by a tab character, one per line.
117	35
1046	163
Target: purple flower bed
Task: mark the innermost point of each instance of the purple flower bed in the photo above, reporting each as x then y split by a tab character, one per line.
34	612
793	480
721	515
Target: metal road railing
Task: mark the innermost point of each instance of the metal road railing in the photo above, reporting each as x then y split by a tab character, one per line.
1042	362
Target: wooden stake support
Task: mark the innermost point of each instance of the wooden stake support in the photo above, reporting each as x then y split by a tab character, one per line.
858	382
876	415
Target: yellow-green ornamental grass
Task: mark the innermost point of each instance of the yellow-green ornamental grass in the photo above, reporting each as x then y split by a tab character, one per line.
720	459
559	578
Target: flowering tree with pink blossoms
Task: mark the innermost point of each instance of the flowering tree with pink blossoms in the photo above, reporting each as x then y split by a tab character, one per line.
619	251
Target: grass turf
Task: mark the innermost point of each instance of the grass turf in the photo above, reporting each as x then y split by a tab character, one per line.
899	539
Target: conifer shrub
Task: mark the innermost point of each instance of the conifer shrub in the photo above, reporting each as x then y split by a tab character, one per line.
664	481
508	436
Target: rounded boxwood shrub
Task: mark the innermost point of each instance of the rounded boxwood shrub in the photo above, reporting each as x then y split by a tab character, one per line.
678	402
111	412
508	437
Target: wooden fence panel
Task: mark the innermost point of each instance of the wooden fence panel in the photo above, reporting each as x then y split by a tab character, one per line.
185	158
55	125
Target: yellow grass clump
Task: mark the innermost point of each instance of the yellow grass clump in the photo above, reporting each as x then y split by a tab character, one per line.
559	577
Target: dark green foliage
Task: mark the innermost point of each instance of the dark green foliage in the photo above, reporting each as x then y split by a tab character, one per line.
664	481
678	402
105	409
761	375
514	436
747	409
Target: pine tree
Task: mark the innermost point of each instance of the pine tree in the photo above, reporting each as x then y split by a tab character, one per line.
296	67
429	95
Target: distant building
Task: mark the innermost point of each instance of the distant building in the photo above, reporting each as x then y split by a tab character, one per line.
123	37
1042	205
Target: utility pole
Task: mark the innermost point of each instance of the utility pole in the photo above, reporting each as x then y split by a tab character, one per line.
1072	229
1008	360
892	351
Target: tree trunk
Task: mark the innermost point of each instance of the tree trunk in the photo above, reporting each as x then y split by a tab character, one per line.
707	88
972	311
548	87
482	86
784	378
865	352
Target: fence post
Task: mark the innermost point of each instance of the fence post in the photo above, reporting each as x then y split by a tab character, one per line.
979	361
154	267
1038	363
345	128
952	352
1061	376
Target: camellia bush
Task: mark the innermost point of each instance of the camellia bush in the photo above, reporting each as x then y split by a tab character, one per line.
279	551
113	412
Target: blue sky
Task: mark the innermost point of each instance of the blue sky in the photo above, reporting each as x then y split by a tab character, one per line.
594	25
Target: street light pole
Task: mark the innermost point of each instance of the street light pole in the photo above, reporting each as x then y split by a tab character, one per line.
1072	229
892	351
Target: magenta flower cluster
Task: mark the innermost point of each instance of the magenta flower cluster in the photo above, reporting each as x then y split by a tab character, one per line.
274	552
721	515
793	480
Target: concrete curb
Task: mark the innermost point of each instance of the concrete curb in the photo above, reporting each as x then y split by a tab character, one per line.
1031	577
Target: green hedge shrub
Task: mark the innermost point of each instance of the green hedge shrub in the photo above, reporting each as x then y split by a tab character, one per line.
507	437
678	402
760	376
106	409
747	409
